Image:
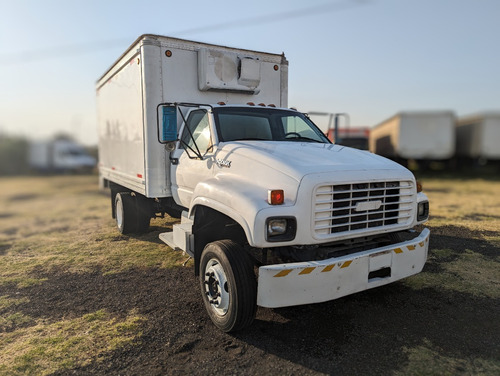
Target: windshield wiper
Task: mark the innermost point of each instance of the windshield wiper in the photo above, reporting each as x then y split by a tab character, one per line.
252	139
302	138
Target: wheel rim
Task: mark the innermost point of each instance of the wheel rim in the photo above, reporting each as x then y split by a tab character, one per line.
119	213
216	287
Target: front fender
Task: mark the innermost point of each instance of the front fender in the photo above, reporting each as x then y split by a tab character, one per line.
224	209
237	200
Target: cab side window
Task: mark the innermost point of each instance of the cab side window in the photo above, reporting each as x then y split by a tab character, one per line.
199	126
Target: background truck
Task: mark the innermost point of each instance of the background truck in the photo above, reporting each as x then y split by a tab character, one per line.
271	211
354	137
420	136
478	137
59	155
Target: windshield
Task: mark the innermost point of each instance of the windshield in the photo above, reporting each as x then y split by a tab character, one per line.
265	124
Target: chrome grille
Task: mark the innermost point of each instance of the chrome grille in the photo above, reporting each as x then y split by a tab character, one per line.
361	207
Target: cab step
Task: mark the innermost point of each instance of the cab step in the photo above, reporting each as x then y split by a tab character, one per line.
181	237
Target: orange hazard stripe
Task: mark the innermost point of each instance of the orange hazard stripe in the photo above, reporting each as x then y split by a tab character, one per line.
283	273
328	268
346	264
307	270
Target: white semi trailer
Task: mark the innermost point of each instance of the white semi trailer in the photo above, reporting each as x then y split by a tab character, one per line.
478	136
272	212
424	135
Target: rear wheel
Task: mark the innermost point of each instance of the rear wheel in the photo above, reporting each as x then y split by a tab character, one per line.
228	285
123	212
132	213
143	213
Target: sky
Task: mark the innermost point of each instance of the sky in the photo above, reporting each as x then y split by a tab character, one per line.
367	58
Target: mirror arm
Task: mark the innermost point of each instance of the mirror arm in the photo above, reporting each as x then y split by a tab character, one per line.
186	147
197	152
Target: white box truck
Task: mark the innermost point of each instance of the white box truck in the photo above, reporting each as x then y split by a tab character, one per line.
423	135
271	211
59	155
478	136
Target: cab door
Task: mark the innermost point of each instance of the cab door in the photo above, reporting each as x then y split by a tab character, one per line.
192	160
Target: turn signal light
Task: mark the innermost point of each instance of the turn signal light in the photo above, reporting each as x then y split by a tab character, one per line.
419	187
276	197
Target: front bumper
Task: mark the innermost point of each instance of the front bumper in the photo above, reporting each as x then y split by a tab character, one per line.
283	285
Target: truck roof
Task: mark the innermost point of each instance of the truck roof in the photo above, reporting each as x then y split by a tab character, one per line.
186	44
236	105
416	113
478	117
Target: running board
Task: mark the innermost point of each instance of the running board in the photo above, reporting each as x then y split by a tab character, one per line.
181	237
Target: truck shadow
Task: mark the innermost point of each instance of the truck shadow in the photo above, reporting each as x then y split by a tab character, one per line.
375	331
152	235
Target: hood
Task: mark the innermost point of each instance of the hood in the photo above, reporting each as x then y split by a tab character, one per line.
297	159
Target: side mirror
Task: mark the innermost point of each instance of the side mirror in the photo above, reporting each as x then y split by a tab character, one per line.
167	126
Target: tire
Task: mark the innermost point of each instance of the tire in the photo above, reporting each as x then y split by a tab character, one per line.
124	213
143	213
228	285
132	213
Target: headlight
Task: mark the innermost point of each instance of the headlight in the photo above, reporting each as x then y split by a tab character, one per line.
279	229
422	211
276	226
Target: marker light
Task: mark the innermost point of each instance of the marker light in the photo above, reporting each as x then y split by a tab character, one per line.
419	187
276	196
262	104
271	105
221	103
251	103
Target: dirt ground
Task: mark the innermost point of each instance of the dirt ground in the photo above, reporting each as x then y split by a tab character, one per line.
416	326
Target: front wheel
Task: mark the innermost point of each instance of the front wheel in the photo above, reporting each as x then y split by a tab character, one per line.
228	285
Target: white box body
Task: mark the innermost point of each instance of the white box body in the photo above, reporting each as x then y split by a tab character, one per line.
156	70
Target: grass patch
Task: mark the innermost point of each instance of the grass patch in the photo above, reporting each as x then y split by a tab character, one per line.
473	203
67	226
428	359
469	272
6	302
15	319
46	348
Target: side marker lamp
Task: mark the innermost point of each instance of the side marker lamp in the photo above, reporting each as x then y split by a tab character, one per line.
275	197
419	187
